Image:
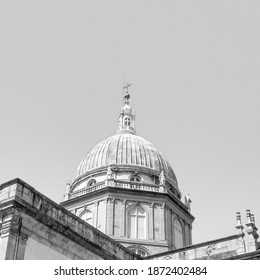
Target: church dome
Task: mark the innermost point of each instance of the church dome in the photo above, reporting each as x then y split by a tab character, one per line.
128	156
126	149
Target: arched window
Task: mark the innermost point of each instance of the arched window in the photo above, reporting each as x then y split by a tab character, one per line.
135	178
92	183
139	251
137	223
178	234
127	121
87	216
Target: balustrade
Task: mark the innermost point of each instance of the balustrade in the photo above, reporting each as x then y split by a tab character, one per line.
117	184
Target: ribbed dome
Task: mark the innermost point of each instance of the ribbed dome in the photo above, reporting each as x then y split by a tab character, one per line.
125	148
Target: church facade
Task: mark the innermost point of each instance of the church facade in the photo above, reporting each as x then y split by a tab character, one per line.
122	203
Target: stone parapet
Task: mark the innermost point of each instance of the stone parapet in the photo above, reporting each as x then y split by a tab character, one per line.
222	248
18	197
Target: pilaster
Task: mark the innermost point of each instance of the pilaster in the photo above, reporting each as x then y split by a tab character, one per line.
151	221
173	230
123	217
185	232
168	226
13	238
182	222
110	216
162	221
190	233
95	215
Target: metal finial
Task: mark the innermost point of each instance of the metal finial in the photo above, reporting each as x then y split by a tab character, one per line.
126	94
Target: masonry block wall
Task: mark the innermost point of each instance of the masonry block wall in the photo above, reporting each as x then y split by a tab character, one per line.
34	227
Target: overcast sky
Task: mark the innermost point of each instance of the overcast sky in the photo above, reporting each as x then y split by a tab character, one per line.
195	68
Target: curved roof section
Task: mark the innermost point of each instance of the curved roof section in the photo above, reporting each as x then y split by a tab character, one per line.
125	149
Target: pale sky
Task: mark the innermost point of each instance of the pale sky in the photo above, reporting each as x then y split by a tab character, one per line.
195	68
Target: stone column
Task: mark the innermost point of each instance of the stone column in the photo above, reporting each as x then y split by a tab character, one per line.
182	222
22	245
151	221
173	229
123	217
162	221
13	239
95	215
110	216
5	251
190	233
168	226
187	234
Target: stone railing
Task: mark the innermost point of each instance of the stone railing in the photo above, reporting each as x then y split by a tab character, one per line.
117	184
137	186
87	190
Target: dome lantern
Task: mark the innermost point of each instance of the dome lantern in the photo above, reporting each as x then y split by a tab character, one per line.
126	121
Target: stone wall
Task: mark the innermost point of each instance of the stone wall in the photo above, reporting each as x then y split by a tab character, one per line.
218	249
29	221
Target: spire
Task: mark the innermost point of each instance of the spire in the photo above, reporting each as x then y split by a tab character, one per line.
239	225
126	122
253	236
